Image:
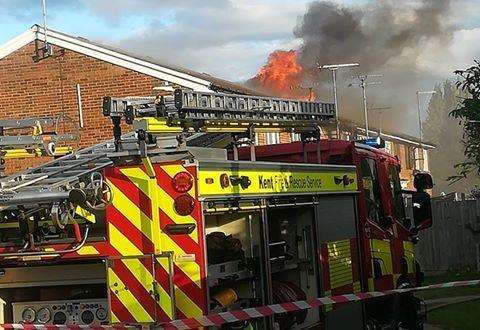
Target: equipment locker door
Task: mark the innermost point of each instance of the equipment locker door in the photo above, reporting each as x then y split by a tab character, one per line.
341	263
293	261
141	289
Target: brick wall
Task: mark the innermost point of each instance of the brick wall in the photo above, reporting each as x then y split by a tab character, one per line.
46	88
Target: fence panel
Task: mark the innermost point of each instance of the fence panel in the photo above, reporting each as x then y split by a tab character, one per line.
453	241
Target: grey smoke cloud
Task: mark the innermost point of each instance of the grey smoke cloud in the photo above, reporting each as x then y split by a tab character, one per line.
386	37
374	35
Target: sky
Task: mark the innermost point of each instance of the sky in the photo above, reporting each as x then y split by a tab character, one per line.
230	39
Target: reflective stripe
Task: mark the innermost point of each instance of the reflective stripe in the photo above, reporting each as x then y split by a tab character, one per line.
141	207
190	294
85	214
185	304
131	211
121	243
381	250
165	301
88	249
113	318
340	263
409	253
148	186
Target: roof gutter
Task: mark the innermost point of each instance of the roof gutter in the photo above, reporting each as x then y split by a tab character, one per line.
389	137
128	62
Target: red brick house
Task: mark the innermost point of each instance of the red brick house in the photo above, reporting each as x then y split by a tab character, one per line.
79	73
75	78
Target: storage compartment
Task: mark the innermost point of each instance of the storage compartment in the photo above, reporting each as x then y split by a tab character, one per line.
294	270
35	294
234	261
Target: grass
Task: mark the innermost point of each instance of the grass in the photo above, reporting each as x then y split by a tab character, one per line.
457	316
450	292
463	316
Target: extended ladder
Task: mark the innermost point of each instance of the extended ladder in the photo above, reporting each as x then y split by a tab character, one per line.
36	143
184	112
200	111
242	115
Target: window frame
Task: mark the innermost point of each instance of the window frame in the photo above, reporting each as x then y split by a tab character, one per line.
398	211
376	190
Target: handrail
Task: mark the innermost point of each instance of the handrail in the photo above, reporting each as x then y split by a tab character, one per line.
48	253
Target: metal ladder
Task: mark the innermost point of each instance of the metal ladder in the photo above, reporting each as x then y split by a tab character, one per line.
192	108
39	136
242	115
52	179
185	110
17	142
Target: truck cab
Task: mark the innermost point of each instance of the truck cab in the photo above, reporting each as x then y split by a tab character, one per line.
389	218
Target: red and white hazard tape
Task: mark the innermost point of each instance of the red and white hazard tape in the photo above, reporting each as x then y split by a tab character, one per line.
65	327
218	319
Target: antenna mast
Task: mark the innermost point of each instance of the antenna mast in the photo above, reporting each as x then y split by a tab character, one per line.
44	13
46	50
362	82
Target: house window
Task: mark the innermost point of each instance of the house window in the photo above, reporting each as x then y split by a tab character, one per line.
295	137
273	138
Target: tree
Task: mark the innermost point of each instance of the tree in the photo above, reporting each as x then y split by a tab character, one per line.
445	132
468	111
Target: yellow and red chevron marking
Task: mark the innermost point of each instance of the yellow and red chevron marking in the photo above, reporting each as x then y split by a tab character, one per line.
340	268
133	297
189	273
142	206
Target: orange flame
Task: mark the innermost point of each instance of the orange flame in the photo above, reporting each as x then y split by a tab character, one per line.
282	75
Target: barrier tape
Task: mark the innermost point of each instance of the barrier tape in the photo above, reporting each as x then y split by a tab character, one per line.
218	319
22	326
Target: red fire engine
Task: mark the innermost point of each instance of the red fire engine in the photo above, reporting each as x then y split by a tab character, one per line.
159	224
387	225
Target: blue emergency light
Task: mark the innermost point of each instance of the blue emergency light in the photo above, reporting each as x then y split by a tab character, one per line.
376	142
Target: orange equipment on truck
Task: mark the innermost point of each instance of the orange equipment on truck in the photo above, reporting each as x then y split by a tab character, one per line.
159	224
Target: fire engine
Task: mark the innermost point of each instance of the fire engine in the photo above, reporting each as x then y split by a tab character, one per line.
165	223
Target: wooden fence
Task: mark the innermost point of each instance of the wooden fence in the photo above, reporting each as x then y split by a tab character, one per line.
453	243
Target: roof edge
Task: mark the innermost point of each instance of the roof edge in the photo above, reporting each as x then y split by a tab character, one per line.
17	42
389	136
82	46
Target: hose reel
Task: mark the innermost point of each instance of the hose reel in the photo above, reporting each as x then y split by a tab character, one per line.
95	196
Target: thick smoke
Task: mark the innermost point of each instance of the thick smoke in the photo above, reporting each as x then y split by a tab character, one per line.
379	35
385	37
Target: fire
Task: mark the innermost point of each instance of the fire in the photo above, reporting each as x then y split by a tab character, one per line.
282	75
